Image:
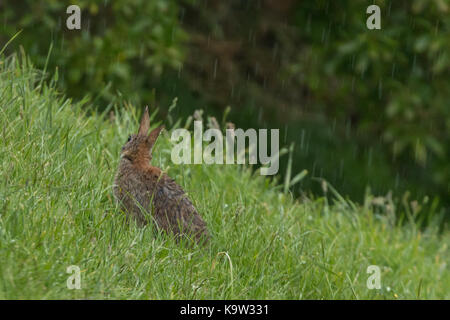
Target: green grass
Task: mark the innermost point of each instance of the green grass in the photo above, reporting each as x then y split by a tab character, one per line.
57	165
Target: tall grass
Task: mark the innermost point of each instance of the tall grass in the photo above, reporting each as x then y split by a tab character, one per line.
57	165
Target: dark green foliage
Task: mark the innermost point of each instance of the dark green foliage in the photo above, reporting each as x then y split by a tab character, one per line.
364	107
121	46
391	83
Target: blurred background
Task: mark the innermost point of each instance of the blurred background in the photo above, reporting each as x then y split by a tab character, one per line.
363	108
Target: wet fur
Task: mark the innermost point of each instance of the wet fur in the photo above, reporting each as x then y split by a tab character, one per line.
146	193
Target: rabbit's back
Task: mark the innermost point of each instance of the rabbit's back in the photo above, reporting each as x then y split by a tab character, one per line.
174	210
131	192
151	192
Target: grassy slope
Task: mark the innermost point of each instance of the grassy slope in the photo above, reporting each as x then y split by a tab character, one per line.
56	209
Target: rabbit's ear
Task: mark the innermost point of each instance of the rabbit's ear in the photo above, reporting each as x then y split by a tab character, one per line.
154	134
145	123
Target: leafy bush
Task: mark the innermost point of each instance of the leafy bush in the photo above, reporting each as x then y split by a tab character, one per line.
391	83
122	44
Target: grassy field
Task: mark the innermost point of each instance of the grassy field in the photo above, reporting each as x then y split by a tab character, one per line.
57	165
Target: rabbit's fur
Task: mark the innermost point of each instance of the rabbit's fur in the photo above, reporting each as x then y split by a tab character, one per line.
146	193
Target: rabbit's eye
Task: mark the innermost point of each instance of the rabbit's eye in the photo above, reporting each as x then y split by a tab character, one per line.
129	138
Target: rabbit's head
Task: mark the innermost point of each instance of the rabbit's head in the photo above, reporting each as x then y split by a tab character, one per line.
138	147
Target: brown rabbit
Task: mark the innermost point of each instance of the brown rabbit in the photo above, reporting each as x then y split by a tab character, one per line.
145	192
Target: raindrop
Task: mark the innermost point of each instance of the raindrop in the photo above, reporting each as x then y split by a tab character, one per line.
62	42
182	13
179	71
302	140
308	24
414	63
436	30
307	146
215	69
